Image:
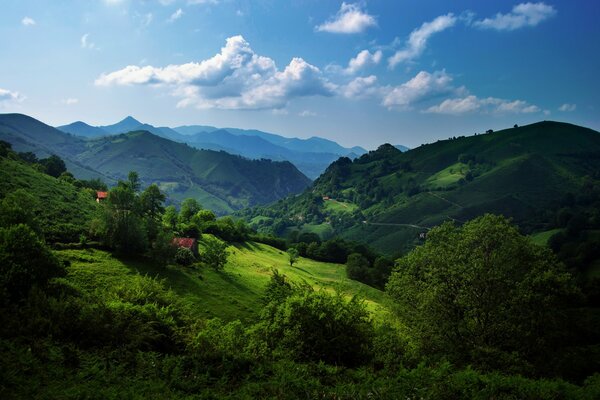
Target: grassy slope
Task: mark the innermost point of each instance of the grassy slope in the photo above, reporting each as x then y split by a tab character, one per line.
59	202
234	293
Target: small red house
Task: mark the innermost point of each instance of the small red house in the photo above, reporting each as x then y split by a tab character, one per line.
188	243
101	196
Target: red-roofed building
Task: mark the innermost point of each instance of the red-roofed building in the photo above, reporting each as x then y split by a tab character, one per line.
188	243
101	196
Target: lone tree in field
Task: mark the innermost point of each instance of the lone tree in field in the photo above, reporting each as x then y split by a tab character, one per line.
215	253
293	256
483	294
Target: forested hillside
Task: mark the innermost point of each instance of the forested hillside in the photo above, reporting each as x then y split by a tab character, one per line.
390	199
221	181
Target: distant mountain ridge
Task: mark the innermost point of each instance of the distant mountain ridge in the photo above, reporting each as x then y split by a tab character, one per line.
311	156
220	181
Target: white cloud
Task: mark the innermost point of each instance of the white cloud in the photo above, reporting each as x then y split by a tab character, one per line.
361	87
349	19
27	21
421	87
524	14
70	101
85	42
8	97
176	15
417	41
307	113
567	107
471	103
235	78
362	60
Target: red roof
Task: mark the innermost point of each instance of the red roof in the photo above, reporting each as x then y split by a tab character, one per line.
102	195
188	243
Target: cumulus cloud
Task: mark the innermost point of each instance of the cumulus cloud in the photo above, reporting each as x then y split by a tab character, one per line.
422	86
27	21
349	19
362	60
471	103
522	15
8	97
307	113
86	43
235	78
567	107
417	41
176	15
361	87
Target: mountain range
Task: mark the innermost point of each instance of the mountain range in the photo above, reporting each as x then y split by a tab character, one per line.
220	181
311	156
389	198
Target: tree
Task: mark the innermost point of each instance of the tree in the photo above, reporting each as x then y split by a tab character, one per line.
133	181
169	218
215	253
483	294
357	268
152	200
293	256
25	261
316	326
53	165
203	216
123	225
189	207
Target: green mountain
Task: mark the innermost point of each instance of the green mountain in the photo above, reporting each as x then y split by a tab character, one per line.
220	181
80	128
311	156
389	198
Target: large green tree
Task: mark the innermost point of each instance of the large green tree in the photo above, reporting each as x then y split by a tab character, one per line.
25	261
483	294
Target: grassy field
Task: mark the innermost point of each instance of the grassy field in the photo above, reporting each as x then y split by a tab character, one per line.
234	293
339	206
542	238
448	176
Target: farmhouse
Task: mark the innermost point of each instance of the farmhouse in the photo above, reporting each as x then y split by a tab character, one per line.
101	196
188	243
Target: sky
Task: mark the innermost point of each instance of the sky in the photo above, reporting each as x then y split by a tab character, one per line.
360	73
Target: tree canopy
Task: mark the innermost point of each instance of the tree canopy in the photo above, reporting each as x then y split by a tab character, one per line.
482	293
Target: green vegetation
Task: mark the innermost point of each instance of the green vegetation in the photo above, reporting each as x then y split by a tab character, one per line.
521	173
63	210
220	181
155	302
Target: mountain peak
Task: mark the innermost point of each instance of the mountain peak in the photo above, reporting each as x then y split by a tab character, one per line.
129	119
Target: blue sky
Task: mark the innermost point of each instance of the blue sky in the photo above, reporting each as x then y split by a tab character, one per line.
361	73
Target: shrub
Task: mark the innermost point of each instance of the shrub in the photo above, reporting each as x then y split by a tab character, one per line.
184	256
25	261
317	326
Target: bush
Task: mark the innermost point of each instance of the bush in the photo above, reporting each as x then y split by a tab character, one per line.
25	261
184	256
317	326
